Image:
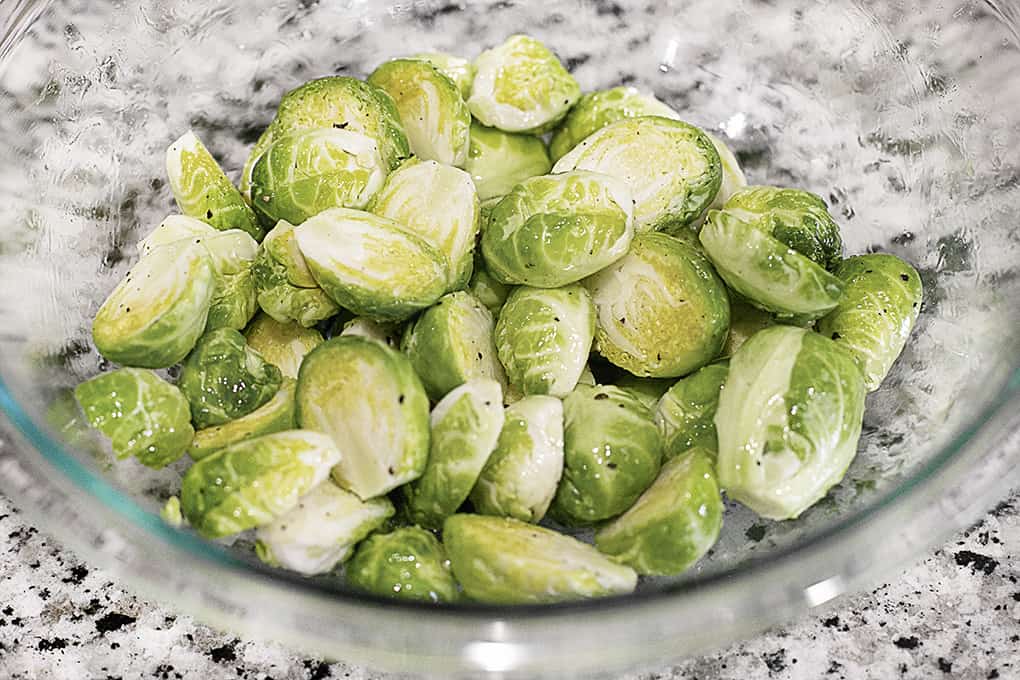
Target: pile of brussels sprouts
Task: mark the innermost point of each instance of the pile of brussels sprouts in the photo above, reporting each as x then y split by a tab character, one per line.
601	332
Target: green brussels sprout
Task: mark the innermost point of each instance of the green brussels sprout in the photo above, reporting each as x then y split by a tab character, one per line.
408	563
874	318
264	141
175	229
544	338
661	311
788	420
587	377
155	315
733	178
519	479
225	379
673	524
284	285
321	531
671	167
451	343
612	452
520	86
498	161
646	390
171	512
203	191
144	416
367	397
505	561
386	333
461	71
465	427
251	483
284	345
438	203
557	229
276	415
436	119
766	271
745	321
596	110
485	288
304	173
371	265
686	413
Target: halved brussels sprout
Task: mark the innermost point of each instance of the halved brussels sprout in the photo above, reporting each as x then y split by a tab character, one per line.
745	321
596	110
203	191
612	453
519	479
671	168
451	343
367	397
174	229
874	318
304	173
371	265
485	288
544	338
733	178
155	315
661	311
251	483
143	415
276	415
766	271
284	285
282	344
387	333
788	420
557	229
465	427
407	563
674	523
646	390
520	86
321	531
438	203
504	561
436	119
225	379
461	71
498	161
686	413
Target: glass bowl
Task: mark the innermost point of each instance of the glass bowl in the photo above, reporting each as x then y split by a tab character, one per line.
905	116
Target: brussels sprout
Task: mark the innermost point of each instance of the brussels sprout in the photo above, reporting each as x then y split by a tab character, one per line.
671	167
171	512
276	415
732	176
225	379
155	315
367	397
745	321
874	318
175	229
282	344
685	414
251	483
557	229
344	103
203	191
520	477
321	531
461	71
674	523
264	141
596	110
285	287
451	343
371	265
661	310
386	333
544	338
465	426
485	288
587	377
788	420
766	271
438	203
436	119
646	390
612	453
407	564
520	86
143	415
504	561
498	161
304	173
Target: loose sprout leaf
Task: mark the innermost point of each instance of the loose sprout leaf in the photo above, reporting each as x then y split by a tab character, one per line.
408	563
171	512
646	390
461	71
686	413
264	141
284	286
732	176
498	161
284	345
386	333
276	415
